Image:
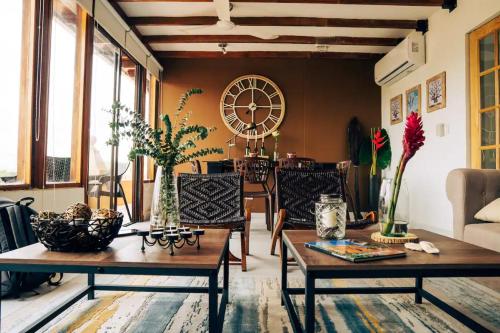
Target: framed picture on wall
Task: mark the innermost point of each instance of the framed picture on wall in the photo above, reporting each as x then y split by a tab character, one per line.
436	92
413	100
396	109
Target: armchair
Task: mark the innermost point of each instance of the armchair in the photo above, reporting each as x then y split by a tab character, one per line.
469	190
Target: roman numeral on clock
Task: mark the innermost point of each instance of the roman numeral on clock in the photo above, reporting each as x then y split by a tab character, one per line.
231	118
241	87
273	118
265	129
252	82
240	126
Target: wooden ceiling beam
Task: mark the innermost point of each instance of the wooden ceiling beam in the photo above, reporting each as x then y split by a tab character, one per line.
277	21
430	3
266	54
169	39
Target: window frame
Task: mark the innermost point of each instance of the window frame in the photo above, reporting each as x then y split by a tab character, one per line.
26	88
491	27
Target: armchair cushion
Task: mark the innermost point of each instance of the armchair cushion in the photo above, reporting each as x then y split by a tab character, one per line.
490	213
486	235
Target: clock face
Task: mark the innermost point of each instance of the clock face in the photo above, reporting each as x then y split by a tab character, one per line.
252	98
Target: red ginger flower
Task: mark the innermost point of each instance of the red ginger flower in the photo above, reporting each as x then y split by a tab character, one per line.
414	136
378	140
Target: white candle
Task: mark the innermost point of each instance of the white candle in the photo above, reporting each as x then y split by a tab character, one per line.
329	218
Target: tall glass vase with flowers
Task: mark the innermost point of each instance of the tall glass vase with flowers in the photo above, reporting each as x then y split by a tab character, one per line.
413	139
174	145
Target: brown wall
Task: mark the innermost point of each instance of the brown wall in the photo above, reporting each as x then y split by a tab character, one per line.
321	96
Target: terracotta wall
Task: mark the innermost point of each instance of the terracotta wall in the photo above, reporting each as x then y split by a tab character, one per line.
321	95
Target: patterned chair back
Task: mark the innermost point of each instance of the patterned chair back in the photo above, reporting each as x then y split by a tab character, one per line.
58	169
210	198
255	170
298	190
296	163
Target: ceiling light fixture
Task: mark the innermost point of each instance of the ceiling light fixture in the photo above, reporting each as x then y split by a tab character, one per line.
223	47
322	48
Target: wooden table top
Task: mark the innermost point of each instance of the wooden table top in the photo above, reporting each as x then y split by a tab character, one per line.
126	252
454	254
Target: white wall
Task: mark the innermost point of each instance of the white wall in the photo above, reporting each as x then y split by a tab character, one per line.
447	50
53	200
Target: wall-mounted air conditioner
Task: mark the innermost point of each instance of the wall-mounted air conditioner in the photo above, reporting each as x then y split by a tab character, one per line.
401	60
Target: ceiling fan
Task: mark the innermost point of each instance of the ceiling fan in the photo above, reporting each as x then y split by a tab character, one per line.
223	9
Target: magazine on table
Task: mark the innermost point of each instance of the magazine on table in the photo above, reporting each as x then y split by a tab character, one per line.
355	251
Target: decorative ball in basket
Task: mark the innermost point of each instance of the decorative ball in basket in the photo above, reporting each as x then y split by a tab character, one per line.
78	229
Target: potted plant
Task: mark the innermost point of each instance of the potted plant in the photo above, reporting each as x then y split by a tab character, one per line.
168	147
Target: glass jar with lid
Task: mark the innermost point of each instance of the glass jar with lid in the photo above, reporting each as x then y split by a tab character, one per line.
330	213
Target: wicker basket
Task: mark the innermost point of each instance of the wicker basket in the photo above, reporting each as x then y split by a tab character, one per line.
78	235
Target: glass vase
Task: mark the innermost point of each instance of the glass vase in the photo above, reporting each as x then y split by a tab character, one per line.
164	207
393	209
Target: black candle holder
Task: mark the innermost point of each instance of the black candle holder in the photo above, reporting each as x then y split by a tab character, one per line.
171	237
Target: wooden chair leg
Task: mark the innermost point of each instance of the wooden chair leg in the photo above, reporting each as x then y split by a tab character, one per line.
277	230
248	218
243	252
268	214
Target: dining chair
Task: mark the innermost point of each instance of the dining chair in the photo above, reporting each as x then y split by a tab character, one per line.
215	201
196	166
255	171
297	192
296	163
100	186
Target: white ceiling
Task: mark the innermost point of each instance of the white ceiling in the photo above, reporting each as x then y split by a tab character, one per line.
243	9
248	9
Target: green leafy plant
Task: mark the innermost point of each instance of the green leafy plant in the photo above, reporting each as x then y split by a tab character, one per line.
175	144
376	150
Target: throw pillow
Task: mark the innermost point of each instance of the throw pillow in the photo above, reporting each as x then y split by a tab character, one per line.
490	212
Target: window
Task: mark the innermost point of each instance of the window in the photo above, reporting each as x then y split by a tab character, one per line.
485	96
64	124
17	18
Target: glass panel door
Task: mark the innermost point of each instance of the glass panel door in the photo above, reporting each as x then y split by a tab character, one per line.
105	61
485	96
125	169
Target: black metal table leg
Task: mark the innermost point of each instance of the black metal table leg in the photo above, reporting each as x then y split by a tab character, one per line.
284	269
91	284
212	303
418	293
225	293
309	313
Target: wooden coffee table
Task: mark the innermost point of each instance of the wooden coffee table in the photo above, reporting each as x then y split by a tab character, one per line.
124	256
457	259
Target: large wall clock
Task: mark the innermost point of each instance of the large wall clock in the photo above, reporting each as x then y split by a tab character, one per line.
252	98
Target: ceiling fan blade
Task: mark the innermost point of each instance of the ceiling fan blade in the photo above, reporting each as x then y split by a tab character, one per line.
263	35
223	9
196	29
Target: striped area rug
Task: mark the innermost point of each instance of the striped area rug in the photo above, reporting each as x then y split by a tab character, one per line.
255	307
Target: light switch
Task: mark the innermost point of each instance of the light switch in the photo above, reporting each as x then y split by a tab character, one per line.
441	129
